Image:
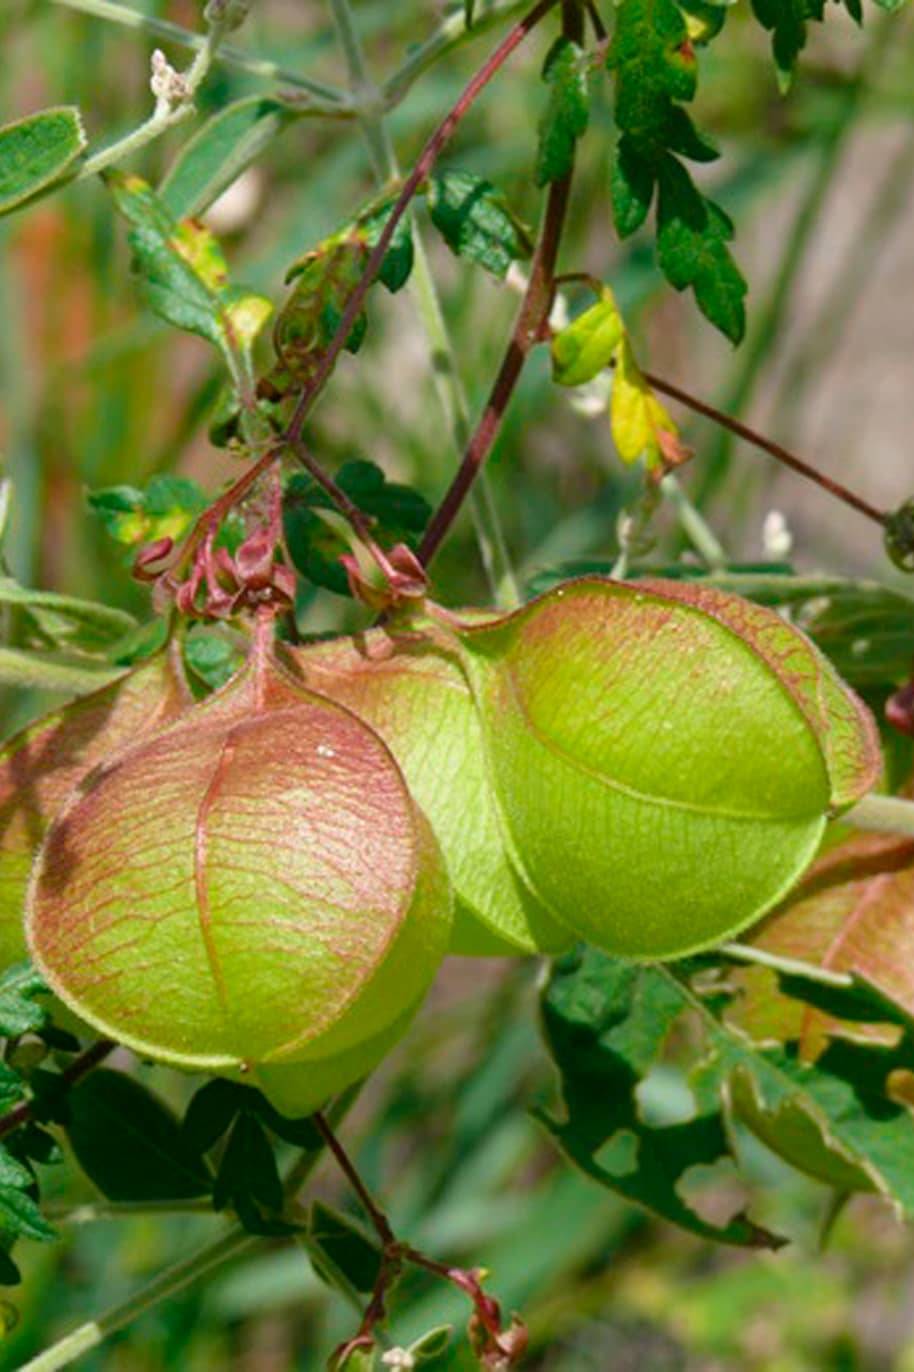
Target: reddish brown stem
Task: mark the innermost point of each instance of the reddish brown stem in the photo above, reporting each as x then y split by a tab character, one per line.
80	1067
533	314
427	159
347	1167
768	445
532	318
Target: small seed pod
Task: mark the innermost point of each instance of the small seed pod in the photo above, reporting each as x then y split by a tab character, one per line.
252	887
417	698
665	757
41	766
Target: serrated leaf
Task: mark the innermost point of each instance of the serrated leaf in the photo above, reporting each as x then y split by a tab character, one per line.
324	280
182	272
316	544
853	912
343	1254
692	237
653	64
474	220
632	186
21	1217
606	1023
397	265
20	1010
785	20
129	1143
585	347
37	151
566	71
842	1101
220	151
641	425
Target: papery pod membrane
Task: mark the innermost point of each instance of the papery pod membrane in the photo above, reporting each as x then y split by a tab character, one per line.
254	885
42	764
299	1088
665	758
407	688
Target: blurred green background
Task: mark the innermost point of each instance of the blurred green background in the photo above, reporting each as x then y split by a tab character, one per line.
96	393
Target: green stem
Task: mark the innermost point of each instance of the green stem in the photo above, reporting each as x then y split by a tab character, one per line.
744	952
167	113
235	1241
770	322
883	815
694	524
450	34
168	1283
489	533
115	1210
228	56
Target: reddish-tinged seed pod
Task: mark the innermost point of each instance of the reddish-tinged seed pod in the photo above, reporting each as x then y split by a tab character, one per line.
43	763
251	888
665	756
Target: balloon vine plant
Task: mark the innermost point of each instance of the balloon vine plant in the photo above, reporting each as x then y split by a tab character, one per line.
255	870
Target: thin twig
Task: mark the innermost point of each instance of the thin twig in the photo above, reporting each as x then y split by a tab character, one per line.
334	100
80	1067
378	1219
768	445
427	159
532	318
490	537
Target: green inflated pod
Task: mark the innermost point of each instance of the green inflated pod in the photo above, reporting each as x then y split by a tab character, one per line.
251	888
40	766
410	687
665	757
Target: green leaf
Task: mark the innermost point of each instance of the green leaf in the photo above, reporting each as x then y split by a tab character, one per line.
53	672
20	1216
654	66
167	508
692	237
432	1345
397	265
632	186
248	1178
211	1112
342	1253
785	20
37	151
212	656
183	274
567	73
66	620
19	1011
129	1143
586	346
315	545
474	220
606	1023
220	151
324	280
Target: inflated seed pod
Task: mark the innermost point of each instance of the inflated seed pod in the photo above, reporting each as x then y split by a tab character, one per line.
665	757
417	698
40	766
252	887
